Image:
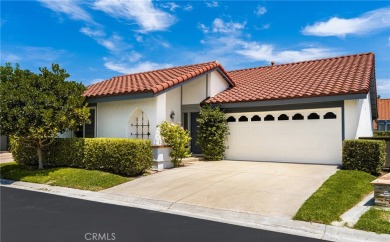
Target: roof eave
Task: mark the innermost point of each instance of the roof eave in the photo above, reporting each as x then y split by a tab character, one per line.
119	97
291	101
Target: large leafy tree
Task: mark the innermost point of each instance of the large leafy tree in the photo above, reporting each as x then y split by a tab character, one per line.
37	107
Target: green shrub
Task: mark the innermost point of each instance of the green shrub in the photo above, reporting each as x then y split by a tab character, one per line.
364	155
121	156
212	132
178	138
382	134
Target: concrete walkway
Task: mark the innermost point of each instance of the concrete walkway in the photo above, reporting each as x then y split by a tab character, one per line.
6	157
352	216
263	188
282	225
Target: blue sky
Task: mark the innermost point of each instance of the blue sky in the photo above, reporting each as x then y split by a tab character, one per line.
97	39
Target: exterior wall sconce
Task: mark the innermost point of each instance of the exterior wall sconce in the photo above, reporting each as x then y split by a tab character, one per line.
172	115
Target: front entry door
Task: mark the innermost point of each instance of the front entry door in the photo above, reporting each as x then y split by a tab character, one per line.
195	149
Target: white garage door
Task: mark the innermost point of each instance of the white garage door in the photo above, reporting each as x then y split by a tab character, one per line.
302	136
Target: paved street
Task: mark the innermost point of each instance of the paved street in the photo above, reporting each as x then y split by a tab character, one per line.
34	216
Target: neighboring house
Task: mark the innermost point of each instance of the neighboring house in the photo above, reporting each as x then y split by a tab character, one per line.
382	123
298	112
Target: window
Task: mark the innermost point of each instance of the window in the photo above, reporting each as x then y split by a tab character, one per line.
383	125
313	116
255	118
283	117
139	125
231	119
297	116
269	117
185	121
329	115
243	119
89	129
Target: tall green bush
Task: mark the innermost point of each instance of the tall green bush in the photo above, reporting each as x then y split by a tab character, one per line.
364	155
212	132
178	138
121	156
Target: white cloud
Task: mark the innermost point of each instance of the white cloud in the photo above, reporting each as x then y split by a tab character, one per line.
143	13
188	7
92	33
96	80
383	87
68	7
203	27
133	57
38	56
340	27
114	43
139	38
267	52
228	43
260	10
212	4
10	57
219	26
266	26
126	68
170	5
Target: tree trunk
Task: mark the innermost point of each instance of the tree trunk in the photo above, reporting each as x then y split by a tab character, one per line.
40	163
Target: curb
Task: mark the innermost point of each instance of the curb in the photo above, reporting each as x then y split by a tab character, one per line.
282	225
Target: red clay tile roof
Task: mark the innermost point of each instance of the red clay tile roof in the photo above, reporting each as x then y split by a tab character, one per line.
151	81
325	77
384	109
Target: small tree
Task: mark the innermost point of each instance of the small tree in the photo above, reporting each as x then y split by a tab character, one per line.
177	137
36	107
212	132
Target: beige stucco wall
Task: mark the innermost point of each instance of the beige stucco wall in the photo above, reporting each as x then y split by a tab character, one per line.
216	84
358	119
194	92
113	118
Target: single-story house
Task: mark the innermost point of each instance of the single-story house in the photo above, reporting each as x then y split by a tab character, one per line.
382	123
296	112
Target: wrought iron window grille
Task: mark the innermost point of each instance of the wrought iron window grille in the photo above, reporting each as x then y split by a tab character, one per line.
145	128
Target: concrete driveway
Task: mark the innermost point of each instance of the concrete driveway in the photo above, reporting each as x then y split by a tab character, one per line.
265	188
5	157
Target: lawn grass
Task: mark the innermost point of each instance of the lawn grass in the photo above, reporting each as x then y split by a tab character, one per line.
375	220
62	176
337	195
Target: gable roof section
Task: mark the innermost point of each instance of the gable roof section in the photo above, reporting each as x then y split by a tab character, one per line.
153	82
384	109
317	78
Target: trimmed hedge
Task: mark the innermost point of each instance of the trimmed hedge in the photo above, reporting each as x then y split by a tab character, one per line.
121	156
382	134
212	132
364	155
